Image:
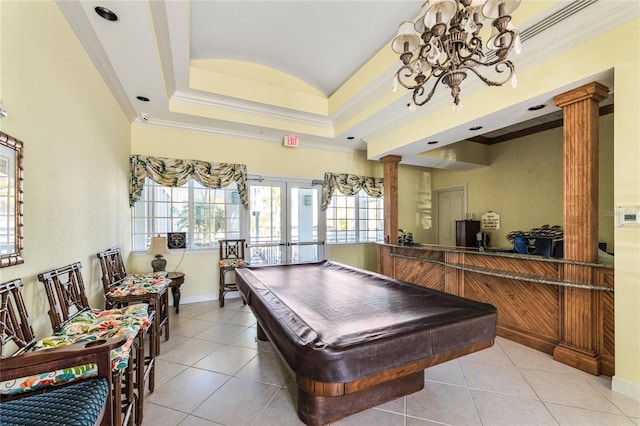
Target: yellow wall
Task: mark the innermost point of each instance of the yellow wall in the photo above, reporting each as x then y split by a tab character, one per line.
414	202
627	194
76	148
523	183
263	158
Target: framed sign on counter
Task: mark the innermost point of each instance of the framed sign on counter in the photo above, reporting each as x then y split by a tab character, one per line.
490	220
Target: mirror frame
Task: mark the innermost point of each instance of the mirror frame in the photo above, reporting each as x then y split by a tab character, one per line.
15	257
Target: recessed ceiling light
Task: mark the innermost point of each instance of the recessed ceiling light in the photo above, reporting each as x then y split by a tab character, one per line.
350	138
142	98
536	107
475	128
432	142
106	13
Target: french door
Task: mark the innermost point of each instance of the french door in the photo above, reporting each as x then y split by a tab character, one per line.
285	223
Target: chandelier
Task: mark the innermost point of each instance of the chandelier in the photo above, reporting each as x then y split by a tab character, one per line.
444	45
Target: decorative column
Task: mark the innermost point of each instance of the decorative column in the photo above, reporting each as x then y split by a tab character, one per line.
390	163
580	164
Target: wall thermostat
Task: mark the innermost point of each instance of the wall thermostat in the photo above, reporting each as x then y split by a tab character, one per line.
628	216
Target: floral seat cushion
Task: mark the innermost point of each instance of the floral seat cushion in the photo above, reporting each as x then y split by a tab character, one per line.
231	263
140	284
86	327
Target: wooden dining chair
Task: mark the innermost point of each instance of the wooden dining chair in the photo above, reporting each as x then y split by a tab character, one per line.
231	257
40	387
122	289
71	315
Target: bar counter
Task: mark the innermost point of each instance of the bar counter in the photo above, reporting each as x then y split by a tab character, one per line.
537	307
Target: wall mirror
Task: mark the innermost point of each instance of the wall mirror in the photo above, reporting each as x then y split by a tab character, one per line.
11	200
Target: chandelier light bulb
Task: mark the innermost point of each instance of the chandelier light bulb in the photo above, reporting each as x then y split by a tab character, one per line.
394	85
412	107
457	107
514	81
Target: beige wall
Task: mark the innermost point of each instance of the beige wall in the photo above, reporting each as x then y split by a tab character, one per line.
524	180
76	148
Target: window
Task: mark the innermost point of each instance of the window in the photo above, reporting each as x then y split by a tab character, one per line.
355	219
205	214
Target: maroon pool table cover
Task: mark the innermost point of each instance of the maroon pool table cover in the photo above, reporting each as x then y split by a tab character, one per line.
335	323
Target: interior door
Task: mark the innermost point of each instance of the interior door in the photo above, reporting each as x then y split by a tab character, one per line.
450	209
286	224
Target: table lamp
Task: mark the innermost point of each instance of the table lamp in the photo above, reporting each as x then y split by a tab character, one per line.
157	248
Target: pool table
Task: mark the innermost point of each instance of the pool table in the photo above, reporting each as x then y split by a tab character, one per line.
356	339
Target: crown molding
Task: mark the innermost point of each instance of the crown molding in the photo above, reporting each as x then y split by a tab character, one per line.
245	107
236	134
79	22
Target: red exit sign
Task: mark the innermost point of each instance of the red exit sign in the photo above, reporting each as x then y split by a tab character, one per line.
292	141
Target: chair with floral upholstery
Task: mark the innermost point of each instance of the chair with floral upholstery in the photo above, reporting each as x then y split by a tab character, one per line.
69	385
231	257
122	289
73	320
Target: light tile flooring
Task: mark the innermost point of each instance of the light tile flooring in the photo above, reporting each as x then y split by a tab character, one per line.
211	372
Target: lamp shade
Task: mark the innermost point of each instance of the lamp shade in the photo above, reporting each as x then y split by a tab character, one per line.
440	11
406	40
495	8
158	246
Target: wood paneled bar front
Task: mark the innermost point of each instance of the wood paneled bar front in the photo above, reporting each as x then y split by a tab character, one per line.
536	303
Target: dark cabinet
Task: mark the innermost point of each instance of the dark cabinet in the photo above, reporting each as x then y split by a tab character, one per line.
466	233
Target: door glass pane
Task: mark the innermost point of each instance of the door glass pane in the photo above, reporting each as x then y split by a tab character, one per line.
265	242
304	224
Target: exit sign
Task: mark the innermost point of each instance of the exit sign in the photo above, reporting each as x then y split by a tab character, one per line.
292	141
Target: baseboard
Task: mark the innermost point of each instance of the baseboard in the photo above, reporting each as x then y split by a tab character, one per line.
185	300
632	390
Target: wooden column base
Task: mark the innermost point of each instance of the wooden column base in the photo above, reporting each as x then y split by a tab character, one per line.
578	358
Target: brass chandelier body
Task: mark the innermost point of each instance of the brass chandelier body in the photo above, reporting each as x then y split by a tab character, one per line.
444	46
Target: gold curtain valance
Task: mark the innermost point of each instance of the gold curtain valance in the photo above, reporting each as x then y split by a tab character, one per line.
176	172
349	185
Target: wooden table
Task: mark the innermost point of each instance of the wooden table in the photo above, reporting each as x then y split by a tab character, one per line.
177	279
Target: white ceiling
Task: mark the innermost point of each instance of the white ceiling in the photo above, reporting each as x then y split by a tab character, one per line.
320	42
323	43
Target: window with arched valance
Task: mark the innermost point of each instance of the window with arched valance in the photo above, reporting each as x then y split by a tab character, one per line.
349	184
176	172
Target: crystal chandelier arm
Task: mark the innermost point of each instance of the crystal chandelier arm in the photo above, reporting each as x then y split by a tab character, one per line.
405	79
503	51
419	91
499	69
474	47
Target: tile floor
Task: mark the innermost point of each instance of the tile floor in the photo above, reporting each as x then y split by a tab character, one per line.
212	372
